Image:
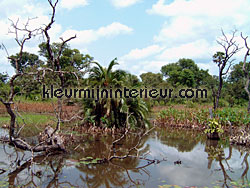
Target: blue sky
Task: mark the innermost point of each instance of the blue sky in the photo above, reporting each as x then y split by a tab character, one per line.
143	34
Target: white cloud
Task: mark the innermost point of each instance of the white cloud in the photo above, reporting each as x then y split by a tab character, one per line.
136	54
73	4
211	66
212	8
199	49
115	28
190	31
197	19
124	3
152	58
181	29
88	36
22	10
138	67
4	30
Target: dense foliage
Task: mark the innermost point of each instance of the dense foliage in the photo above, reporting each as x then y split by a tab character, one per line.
118	112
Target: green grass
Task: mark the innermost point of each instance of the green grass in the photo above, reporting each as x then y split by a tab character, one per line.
196	116
35	123
30	119
36	99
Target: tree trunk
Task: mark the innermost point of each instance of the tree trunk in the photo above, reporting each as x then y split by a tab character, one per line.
219	91
12	120
22	144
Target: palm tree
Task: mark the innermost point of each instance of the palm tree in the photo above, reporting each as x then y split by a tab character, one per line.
103	77
118	112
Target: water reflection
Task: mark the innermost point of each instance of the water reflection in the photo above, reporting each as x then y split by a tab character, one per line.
20	170
117	173
183	140
203	163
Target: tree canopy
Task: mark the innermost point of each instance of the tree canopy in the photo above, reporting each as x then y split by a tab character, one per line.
184	72
150	79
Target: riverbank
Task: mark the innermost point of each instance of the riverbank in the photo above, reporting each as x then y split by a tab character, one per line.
38	115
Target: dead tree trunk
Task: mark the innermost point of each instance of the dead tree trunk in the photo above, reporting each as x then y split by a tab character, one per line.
55	61
223	60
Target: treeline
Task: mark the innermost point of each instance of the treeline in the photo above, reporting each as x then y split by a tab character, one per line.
182	74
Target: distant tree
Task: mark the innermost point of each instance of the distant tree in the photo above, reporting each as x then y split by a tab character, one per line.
69	57
28	60
28	63
184	72
235	85
150	79
70	60
236	74
224	60
132	80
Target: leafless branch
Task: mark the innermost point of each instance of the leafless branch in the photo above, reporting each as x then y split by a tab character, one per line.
132	148
230	48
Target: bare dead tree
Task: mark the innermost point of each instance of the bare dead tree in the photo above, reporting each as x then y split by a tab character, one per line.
56	68
224	60
55	61
246	71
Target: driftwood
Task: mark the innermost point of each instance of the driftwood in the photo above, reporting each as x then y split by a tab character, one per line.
49	141
50	138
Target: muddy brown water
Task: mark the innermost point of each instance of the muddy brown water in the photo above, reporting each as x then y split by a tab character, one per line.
191	160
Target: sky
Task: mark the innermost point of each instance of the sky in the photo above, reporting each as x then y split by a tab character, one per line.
143	34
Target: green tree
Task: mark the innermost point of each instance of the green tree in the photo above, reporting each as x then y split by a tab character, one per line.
150	79
132	80
28	60
26	86
71	60
104	77
70	57
236	83
184	72
118	112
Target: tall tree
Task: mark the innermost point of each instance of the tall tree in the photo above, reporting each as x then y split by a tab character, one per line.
28	63
224	60
29	34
